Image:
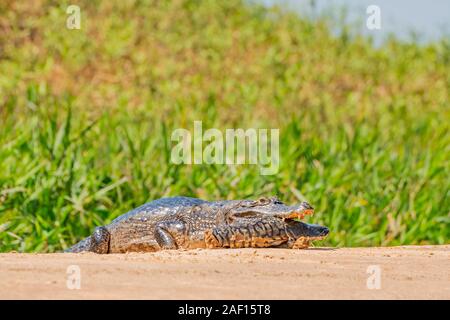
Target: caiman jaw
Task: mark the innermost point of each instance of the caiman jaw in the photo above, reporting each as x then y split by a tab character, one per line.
300	214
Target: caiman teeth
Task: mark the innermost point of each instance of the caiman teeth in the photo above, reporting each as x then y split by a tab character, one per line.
300	215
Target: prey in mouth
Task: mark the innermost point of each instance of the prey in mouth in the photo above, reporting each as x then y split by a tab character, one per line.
267	223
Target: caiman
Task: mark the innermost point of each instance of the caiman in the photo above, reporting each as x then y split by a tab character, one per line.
189	223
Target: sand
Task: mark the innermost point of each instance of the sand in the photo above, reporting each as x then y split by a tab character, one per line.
409	272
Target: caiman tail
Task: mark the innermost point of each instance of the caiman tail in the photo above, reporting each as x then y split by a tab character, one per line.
98	242
83	245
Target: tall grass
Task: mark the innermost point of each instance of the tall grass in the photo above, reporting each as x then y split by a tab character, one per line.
86	117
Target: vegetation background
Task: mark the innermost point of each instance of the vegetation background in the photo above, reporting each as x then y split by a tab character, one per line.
86	117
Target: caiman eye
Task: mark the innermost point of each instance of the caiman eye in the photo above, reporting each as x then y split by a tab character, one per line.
262	201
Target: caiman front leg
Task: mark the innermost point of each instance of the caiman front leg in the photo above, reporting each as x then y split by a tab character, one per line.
300	243
170	234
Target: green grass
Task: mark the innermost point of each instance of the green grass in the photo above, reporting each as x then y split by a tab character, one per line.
86	117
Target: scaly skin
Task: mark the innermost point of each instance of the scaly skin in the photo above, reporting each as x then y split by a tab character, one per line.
263	232
182	222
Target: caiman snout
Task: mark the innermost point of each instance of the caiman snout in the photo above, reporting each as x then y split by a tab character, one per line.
306	206
272	207
295	212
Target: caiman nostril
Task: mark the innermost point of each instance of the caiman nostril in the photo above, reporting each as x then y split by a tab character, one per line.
307	206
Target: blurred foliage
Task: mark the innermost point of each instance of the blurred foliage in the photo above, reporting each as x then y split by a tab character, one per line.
86	117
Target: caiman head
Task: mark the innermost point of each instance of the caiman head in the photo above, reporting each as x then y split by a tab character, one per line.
282	216
271	206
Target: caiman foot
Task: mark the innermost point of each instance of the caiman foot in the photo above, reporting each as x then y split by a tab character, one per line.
301	243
